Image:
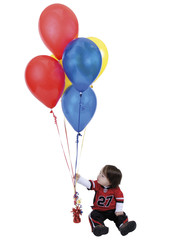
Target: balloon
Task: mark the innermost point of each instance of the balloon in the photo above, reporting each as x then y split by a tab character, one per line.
45	79
67	81
78	109
54	57
60	61
82	62
58	26
104	53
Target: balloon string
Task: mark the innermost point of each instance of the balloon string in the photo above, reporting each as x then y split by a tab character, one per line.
77	147
82	143
77	139
68	147
55	118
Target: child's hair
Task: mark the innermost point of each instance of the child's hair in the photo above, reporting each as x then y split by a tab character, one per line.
113	174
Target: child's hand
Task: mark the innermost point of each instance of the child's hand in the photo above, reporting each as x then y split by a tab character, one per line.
119	213
77	176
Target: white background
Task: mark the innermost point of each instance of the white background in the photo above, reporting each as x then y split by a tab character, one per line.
142	123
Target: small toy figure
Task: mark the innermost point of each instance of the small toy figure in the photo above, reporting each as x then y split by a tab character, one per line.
108	201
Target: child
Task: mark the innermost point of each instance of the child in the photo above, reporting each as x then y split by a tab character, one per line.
108	201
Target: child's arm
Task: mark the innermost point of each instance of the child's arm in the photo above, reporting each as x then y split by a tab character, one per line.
119	203
86	183
119	209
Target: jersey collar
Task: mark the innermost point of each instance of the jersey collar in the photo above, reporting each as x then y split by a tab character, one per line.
106	187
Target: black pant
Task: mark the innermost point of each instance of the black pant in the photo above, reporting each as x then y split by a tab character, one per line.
98	217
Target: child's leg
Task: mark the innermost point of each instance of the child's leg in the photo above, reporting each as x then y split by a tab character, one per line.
120	220
96	220
124	225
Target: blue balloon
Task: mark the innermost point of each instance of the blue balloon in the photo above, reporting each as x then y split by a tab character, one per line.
78	108
82	62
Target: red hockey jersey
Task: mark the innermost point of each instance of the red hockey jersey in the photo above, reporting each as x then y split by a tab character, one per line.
105	198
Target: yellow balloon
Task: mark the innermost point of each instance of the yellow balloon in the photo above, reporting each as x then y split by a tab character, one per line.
53	56
104	53
67	81
60	61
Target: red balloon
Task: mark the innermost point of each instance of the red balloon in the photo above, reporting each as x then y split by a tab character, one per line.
45	79
58	26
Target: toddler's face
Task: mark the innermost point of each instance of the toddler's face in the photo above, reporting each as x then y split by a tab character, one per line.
102	179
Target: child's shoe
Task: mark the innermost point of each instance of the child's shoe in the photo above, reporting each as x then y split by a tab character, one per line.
100	230
127	227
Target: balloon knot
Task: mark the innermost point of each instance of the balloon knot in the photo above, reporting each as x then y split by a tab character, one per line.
55	118
78	135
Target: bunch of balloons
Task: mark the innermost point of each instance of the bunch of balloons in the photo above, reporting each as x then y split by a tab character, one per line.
75	64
